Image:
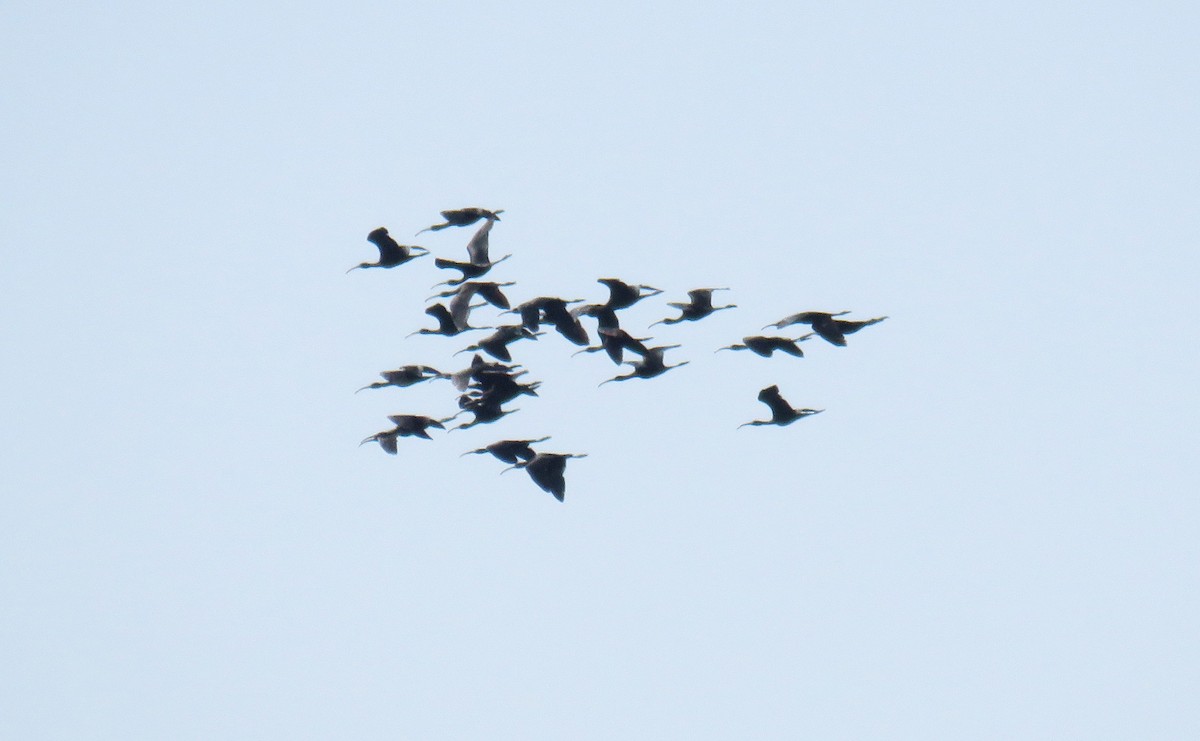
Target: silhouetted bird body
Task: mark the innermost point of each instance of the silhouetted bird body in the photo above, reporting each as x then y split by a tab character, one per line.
460	297
406	376
699	307
407	425
615	342
782	413
477	253
550	309
496	344
482	372
766	346
622	295
484	410
546	470
605	315
386	440
510	451
826	326
414	425
463	217
651	365
447	326
391	252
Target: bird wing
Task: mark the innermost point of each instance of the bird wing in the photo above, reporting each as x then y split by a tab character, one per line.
491	293
389	249
460	305
388	443
701	297
772	398
547	472
477	248
850	327
828	331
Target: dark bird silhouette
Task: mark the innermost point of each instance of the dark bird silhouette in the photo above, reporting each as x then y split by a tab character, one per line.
495	388
826	326
407	425
406	376
510	451
386	440
496	344
477	253
546	470
414	425
766	346
615	342
605	315
463	217
651	365
622	295
482	372
552	310
782	413
447	326
461	295
699	307
391	252
484	409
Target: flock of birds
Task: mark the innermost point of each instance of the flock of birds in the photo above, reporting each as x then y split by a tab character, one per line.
485	386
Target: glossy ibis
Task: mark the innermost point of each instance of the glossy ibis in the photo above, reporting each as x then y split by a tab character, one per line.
782	413
391	252
463	217
546	470
766	346
699	307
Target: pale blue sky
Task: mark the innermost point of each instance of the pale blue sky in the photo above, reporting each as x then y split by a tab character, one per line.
990	534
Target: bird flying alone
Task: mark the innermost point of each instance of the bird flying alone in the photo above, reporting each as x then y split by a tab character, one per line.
407	425
406	376
391	253
782	413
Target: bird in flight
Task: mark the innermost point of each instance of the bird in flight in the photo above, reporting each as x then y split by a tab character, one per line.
622	295
463	217
826	326
406	376
766	346
699	307
478	261
615	342
782	413
407	425
447	324
496	344
391	252
650	365
546	470
510	451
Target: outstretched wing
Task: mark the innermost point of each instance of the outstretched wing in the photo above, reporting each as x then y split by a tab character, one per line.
780	409
389	249
491	293
547	473
477	248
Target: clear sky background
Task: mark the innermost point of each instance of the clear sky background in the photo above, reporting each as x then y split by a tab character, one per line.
991	533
